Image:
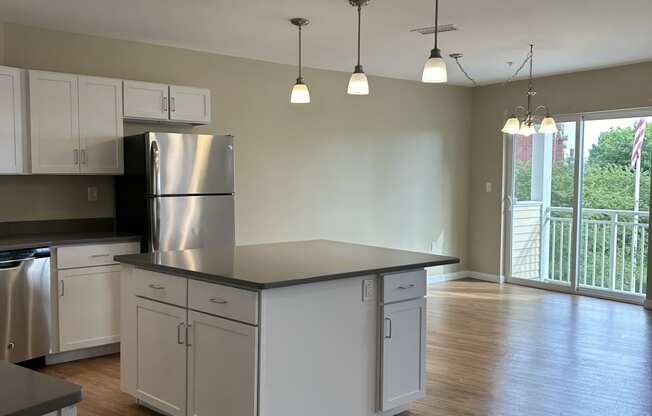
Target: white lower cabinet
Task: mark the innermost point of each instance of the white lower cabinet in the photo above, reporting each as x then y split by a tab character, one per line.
222	366
403	353
161	356
89	312
192	363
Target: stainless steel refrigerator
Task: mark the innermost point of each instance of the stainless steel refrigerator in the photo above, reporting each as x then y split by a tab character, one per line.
177	190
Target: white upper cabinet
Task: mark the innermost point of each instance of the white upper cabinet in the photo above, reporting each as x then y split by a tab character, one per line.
190	105
76	124
12	128
54	120
100	125
146	101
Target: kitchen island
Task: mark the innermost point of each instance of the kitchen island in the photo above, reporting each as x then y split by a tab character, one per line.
313	327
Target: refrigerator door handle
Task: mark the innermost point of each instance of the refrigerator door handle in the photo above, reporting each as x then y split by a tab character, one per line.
154	163
156	223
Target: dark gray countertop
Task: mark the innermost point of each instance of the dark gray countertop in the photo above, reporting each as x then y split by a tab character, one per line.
25	392
265	266
53	239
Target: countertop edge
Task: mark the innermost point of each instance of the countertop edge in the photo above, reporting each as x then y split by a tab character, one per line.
44	408
48	242
244	284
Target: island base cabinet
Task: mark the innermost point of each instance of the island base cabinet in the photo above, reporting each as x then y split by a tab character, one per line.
161	356
222	366
403	353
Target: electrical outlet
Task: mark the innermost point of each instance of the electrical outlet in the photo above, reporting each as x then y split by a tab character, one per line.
368	290
92	193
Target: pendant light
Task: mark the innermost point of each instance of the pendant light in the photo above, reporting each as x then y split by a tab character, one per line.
300	93
358	84
525	124
434	71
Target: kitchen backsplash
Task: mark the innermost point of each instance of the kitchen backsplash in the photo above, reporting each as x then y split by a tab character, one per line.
41	197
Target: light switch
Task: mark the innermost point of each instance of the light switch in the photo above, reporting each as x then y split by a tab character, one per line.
487	187
92	193
368	290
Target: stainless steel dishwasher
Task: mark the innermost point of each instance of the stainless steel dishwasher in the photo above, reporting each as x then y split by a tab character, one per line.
24	304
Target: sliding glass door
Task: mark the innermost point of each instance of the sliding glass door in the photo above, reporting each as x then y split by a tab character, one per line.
540	205
577	205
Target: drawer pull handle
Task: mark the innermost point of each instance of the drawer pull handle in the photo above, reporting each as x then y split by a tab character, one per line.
410	286
219	301
100	255
179	340
157	287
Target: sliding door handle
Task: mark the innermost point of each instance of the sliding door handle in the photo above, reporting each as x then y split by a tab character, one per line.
388	320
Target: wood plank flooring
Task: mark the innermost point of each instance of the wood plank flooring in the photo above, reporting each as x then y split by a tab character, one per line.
492	350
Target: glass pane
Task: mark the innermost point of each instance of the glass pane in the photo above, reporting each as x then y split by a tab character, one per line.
615	206
543	172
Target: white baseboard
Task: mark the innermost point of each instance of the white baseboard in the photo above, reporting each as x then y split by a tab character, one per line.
648	304
446	277
486	277
64	357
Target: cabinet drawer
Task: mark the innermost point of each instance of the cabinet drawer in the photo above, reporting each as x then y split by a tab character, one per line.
93	254
404	286
161	287
240	305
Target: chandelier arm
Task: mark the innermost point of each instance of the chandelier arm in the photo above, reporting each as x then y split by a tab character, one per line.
523	111
539	107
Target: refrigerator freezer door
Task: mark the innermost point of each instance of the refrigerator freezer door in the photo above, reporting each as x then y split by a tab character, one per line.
185	222
182	164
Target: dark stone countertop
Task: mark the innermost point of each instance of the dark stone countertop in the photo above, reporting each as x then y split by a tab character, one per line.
35	240
266	266
26	392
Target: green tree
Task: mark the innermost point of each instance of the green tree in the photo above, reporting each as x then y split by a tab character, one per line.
614	147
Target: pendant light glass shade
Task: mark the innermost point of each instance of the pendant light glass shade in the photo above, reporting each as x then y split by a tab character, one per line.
526	129
548	126
300	93
512	125
358	84
435	69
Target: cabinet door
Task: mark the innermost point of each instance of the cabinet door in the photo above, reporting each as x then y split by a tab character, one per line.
100	125
161	356
11	121
145	101
89	307
54	120
190	105
222	365
403	353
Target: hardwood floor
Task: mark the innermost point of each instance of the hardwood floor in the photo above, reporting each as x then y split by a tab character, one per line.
492	350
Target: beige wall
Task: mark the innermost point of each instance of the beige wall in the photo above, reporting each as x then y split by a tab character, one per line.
607	89
2	43
389	169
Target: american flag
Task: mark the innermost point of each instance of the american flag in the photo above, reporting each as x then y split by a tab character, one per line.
637	146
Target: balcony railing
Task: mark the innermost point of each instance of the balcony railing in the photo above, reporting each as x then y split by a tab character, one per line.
612	248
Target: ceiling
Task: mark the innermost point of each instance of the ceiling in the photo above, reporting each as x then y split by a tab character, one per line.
569	35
